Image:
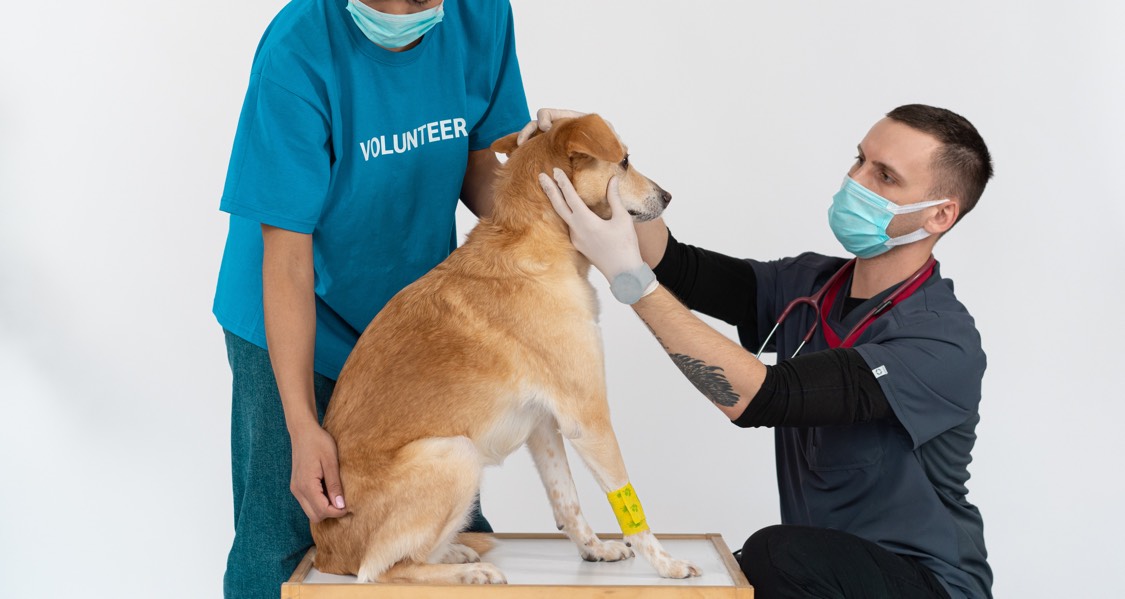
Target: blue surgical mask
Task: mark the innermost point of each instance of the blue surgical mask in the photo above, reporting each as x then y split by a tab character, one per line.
393	31
859	219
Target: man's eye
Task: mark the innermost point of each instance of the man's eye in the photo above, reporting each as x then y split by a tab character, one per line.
625	161
887	178
859	159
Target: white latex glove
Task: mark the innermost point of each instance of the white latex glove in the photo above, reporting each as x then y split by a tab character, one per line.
544	118
610	245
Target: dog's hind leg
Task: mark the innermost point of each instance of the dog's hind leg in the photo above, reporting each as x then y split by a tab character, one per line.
454	553
427	495
478	573
549	455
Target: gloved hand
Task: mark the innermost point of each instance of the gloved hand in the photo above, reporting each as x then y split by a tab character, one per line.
610	245
544	118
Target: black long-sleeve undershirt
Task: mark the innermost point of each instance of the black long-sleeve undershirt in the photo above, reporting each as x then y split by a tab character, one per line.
831	387
821	388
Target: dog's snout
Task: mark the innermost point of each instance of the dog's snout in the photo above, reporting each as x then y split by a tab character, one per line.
665	197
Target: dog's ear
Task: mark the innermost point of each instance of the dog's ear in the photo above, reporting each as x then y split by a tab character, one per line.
590	136
505	145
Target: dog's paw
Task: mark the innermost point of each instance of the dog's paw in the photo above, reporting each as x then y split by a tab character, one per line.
481	573
605	551
677	568
459	554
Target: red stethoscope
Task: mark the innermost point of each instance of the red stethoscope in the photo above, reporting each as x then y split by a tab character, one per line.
829	292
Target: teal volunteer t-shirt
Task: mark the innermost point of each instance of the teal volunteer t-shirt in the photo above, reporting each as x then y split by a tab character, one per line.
366	150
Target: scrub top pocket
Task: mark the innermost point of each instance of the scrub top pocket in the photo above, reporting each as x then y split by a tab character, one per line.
851	447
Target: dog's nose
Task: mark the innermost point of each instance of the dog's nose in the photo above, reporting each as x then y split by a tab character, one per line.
665	197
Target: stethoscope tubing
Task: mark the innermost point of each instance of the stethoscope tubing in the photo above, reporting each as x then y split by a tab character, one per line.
814	301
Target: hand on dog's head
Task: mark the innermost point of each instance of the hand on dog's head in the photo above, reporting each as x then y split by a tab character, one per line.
587	136
589	152
571	145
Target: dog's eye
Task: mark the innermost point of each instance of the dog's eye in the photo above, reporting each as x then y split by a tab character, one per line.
625	161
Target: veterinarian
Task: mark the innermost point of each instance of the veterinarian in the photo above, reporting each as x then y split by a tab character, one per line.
875	417
363	124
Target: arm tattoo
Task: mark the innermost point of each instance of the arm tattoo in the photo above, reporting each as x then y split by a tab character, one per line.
708	379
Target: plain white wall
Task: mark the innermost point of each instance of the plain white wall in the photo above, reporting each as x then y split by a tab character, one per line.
116	120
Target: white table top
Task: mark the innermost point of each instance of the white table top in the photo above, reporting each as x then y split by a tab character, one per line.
556	562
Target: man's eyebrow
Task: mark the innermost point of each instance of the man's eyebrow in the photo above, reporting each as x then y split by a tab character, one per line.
890	170
882	165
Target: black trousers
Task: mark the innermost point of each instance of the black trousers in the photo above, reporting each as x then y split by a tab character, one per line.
799	561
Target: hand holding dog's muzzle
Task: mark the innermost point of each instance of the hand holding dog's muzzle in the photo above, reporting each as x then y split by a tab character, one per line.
610	245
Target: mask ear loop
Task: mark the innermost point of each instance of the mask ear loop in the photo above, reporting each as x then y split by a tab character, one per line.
909	208
909	238
921	233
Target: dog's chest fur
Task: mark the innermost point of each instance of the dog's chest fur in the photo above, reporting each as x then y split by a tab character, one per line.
569	350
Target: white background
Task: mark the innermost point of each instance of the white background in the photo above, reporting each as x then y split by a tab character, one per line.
116	121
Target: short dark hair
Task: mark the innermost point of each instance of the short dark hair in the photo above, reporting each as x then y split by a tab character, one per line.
962	166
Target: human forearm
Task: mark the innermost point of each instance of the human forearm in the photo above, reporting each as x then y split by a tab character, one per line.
290	312
726	374
290	315
652	237
477	187
709	282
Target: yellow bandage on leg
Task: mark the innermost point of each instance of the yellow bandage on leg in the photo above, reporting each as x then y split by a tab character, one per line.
627	508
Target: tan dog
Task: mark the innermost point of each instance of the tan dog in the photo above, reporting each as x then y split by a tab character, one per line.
496	347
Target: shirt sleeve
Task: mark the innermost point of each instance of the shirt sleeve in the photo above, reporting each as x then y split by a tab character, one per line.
709	282
507	111
825	388
280	166
930	370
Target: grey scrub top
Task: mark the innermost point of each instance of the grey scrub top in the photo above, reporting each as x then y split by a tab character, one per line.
897	482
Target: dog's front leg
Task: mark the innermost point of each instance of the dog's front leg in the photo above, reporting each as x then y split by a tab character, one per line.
549	455
592	436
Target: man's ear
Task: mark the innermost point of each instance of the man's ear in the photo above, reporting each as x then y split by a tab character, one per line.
945	217
590	136
505	145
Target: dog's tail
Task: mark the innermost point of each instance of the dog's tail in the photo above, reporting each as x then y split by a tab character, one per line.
477	541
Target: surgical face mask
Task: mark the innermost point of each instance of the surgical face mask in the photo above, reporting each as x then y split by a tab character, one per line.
859	219
393	31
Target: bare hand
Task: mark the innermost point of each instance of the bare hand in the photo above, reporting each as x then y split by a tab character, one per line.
316	474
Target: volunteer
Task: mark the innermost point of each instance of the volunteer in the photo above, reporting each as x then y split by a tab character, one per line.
875	416
364	123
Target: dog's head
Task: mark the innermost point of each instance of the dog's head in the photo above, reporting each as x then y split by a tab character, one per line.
590	153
